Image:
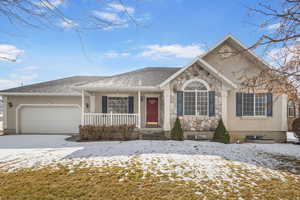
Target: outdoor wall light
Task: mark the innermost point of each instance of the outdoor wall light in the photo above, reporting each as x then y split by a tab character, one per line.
87	105
10	104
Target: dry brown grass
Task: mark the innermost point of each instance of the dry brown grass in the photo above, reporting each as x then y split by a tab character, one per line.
61	182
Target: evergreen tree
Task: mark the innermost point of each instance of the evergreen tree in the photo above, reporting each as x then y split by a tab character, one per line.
177	132
221	134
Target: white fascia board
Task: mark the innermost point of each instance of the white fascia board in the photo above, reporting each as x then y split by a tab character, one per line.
205	65
117	89
217	73
178	72
216	45
35	94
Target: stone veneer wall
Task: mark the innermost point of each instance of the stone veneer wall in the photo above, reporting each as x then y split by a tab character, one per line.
196	123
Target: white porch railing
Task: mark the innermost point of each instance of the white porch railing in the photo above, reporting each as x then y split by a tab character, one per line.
110	119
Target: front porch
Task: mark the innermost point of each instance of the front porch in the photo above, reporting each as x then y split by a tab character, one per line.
144	109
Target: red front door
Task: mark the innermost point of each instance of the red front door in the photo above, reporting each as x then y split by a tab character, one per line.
152	110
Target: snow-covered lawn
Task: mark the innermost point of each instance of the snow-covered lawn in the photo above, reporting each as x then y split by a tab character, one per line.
22	151
213	168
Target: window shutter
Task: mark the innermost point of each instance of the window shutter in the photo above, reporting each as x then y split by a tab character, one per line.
179	103
269	104
211	103
130	104
239	104
104	104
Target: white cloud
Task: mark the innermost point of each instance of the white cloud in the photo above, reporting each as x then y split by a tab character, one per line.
113	54
281	56
273	27
176	50
67	23
120	8
30	68
114	14
109	17
50	3
9	52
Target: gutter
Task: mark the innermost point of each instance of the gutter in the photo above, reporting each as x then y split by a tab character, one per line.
119	89
36	94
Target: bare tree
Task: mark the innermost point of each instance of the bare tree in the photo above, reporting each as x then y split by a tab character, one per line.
281	43
41	14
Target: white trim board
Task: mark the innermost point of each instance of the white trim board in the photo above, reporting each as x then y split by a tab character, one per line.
39	105
196	79
204	64
36	94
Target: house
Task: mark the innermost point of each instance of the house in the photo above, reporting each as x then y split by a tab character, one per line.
200	94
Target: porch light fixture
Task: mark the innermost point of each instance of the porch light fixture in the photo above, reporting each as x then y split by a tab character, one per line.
10	104
87	105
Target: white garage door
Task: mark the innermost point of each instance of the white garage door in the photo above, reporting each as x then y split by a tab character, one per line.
49	119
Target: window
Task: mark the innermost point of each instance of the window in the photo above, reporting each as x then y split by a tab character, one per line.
195	99
202	103
117	104
189	103
291	109
260	104
254	104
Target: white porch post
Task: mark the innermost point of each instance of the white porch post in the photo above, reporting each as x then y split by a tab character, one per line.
4	112
82	107
139	109
92	103
167	102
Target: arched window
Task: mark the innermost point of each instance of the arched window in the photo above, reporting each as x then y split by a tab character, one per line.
291	109
195	97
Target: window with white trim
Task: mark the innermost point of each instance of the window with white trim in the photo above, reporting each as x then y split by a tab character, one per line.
254	104
291	109
195	98
117	104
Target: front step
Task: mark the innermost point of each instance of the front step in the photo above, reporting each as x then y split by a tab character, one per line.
152	134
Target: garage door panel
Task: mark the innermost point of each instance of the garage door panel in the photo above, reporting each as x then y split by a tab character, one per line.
50	119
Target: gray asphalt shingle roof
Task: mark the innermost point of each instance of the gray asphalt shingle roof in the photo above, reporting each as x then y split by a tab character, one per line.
146	77
64	86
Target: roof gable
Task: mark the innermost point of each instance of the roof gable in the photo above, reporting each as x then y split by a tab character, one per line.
201	59
206	66
235	41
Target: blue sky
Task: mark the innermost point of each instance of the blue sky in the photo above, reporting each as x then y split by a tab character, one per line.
171	33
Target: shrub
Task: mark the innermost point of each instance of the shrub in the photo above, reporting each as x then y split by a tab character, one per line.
177	132
221	134
93	133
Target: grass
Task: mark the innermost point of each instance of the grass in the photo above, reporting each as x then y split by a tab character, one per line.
111	182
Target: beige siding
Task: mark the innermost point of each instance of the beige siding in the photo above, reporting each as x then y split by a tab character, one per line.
17	100
274	123
235	67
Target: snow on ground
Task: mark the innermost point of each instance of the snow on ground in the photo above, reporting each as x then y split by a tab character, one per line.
205	158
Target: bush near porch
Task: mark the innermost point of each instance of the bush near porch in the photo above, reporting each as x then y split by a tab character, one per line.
96	133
